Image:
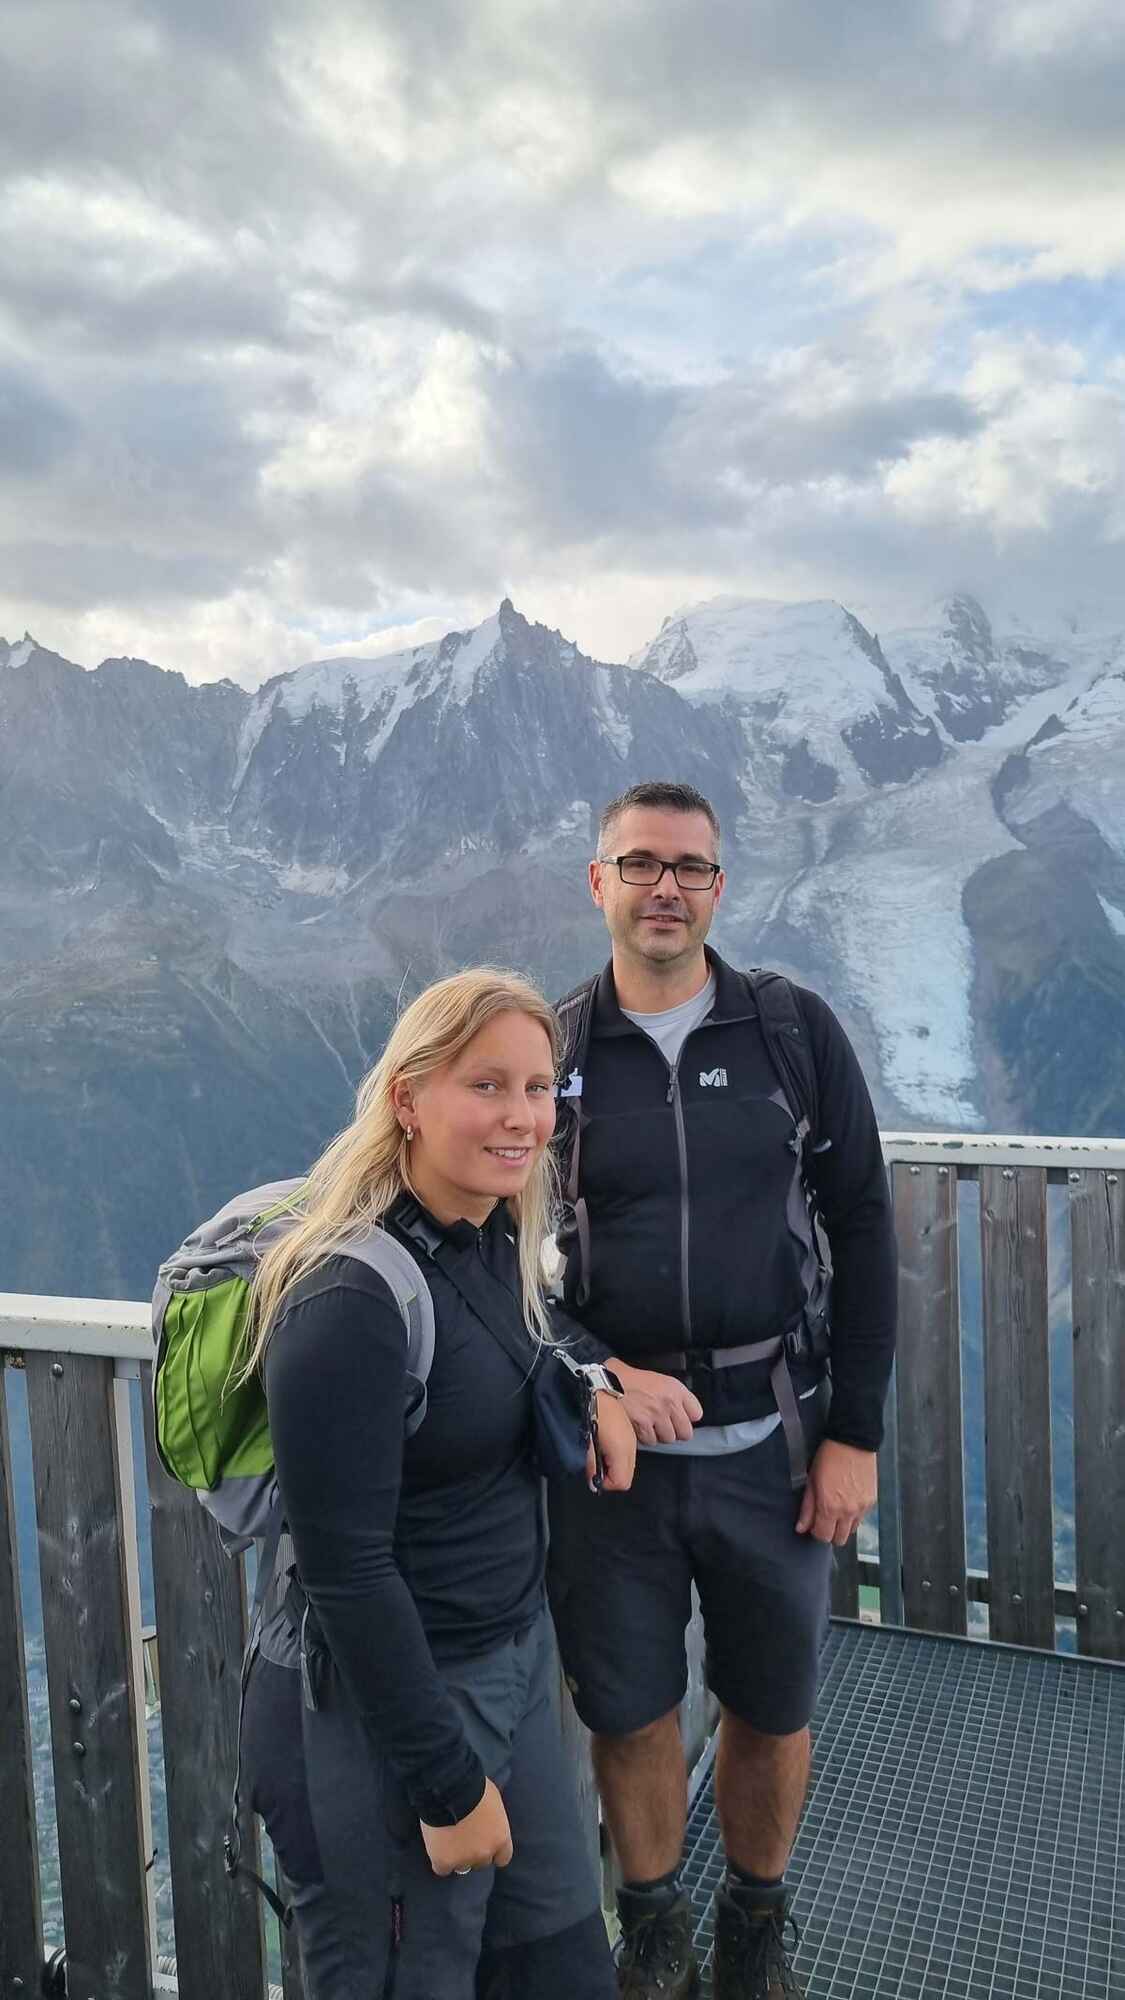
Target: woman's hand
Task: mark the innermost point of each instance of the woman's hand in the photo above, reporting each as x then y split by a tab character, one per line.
618	1443
483	1839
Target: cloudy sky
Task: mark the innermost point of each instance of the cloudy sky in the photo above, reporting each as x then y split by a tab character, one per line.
324	323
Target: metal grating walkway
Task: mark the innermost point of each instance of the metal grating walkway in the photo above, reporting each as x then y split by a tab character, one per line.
965	1831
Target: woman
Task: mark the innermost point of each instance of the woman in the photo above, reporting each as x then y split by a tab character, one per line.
431	1839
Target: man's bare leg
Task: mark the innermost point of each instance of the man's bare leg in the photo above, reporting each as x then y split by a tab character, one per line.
642	1779
760	1786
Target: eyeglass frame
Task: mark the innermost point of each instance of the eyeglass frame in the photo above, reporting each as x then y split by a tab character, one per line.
666	867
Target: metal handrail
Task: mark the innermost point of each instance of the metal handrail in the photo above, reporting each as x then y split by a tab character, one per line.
121	1327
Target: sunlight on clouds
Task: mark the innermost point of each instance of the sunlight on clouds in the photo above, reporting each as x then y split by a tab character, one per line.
1037	28
346	87
388	400
695	178
1050	437
546	142
120	226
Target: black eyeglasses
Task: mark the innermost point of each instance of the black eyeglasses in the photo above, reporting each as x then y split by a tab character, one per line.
644	871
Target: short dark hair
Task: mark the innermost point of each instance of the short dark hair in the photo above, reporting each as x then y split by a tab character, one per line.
662	797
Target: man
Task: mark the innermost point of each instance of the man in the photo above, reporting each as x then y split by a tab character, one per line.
697	1184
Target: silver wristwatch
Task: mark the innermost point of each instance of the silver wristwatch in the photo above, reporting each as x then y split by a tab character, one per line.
601	1378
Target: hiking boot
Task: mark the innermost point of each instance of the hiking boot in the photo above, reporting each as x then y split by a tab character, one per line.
751	1961
655	1960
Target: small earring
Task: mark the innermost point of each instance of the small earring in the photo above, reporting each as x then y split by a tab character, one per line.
409	1133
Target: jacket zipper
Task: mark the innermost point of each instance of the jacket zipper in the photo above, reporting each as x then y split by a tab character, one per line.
674	1099
676	1102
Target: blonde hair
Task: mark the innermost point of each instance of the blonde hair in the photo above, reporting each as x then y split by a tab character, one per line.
360	1176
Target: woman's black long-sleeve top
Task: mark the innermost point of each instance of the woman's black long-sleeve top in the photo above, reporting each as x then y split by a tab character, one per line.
419	1552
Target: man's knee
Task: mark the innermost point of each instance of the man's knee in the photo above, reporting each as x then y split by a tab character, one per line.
652	1740
743	1735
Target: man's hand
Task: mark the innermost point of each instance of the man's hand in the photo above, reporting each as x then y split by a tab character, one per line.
842	1487
617	1443
660	1408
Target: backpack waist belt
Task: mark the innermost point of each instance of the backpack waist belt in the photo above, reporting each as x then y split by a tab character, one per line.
801	1342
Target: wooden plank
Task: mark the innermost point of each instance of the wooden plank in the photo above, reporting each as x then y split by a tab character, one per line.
1097	1238
94	1726
977	1590
928	1383
123	1428
21	1933
958	1151
1017	1405
845	1581
200	1602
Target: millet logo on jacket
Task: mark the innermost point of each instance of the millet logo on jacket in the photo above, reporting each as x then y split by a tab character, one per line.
717	1078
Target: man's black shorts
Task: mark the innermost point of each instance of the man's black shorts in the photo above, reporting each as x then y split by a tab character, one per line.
620	1576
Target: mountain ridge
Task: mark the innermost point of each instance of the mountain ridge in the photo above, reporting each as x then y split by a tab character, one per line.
213	896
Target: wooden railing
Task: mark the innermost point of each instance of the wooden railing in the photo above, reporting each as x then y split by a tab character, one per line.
83	1361
922	1572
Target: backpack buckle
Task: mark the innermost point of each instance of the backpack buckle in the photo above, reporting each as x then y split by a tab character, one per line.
795	1342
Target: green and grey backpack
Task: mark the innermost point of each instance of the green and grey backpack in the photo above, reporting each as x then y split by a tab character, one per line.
212	1431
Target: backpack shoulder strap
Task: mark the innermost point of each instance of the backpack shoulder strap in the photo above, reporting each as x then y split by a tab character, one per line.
576	1019
787	1043
393	1262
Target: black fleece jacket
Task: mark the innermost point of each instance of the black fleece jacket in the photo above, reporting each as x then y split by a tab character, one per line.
421	1552
688	1178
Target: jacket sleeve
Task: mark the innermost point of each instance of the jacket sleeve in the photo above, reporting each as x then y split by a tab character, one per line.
850	1183
580	1345
336	1389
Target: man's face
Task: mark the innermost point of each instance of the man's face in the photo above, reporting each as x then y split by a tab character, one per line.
661	922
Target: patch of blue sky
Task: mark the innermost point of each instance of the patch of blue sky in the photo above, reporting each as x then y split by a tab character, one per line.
1089	313
352	631
728	301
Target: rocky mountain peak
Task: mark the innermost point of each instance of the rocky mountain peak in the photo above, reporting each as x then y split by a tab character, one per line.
20	653
968	629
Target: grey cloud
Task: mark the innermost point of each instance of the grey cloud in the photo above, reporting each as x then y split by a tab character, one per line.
583	443
188	108
81	575
35	429
175	430
597	452
671	69
167	382
95	309
868	549
744	428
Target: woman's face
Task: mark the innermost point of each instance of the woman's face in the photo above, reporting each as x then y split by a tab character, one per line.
481	1121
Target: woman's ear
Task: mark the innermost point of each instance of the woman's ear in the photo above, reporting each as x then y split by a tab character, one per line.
402	1097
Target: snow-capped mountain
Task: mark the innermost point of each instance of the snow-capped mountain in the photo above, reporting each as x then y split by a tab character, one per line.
210	898
970	676
821	711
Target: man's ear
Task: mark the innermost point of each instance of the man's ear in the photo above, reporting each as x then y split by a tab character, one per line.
595	874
